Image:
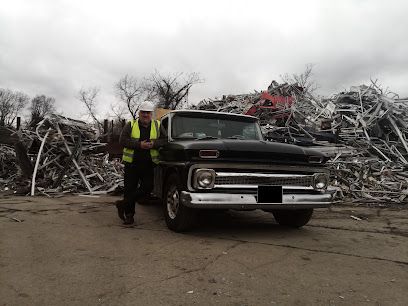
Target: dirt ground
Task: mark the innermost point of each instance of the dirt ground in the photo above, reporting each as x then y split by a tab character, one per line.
74	251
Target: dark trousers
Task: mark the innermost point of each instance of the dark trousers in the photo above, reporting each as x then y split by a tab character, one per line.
138	184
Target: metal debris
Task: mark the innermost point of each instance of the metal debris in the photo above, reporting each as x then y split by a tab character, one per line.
68	159
8	166
363	130
16	219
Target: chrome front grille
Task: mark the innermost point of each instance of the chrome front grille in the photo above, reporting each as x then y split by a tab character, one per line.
226	178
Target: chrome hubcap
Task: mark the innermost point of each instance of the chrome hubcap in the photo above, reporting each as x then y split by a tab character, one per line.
173	201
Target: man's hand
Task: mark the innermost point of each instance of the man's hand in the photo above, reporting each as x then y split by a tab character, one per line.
146	145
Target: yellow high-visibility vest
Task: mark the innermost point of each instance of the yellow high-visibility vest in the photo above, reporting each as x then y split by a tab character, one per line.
154	134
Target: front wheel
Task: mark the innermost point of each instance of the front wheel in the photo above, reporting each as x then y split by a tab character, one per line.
293	218
178	217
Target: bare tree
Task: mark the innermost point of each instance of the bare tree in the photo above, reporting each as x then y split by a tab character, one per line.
132	91
118	117
172	90
119	111
41	105
304	79
89	99
11	103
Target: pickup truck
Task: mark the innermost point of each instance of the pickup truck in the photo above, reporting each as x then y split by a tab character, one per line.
215	160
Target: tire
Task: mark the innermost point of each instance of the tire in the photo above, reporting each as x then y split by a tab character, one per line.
179	218
293	218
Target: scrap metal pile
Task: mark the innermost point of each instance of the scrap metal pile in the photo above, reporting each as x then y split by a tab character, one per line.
363	130
8	166
65	157
374	124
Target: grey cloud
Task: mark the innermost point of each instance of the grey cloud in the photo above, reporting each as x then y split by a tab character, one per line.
58	52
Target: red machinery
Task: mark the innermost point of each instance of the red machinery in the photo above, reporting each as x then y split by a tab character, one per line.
270	103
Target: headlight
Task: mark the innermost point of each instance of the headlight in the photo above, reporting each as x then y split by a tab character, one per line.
321	181
204	178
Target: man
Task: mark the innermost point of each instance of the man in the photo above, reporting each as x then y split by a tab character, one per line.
140	155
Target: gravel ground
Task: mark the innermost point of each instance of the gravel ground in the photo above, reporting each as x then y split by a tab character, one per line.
74	251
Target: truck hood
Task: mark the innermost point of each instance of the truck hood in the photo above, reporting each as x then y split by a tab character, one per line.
243	151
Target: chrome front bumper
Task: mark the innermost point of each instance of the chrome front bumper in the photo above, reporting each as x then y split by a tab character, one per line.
249	201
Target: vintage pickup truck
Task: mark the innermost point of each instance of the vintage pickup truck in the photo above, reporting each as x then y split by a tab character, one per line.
214	160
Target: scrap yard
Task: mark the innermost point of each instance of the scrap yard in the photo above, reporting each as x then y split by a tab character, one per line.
363	131
62	243
236	153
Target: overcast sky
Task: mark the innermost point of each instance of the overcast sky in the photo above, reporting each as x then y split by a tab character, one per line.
56	47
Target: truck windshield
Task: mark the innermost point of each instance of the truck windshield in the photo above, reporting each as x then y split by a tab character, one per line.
188	127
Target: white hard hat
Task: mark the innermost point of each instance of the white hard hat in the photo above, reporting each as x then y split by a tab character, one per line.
146	106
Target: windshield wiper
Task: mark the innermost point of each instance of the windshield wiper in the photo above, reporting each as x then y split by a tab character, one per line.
206	137
236	137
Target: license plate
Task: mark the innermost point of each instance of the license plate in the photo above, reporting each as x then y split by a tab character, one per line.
269	194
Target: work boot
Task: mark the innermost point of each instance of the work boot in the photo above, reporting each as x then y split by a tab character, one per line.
120	205
129	220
